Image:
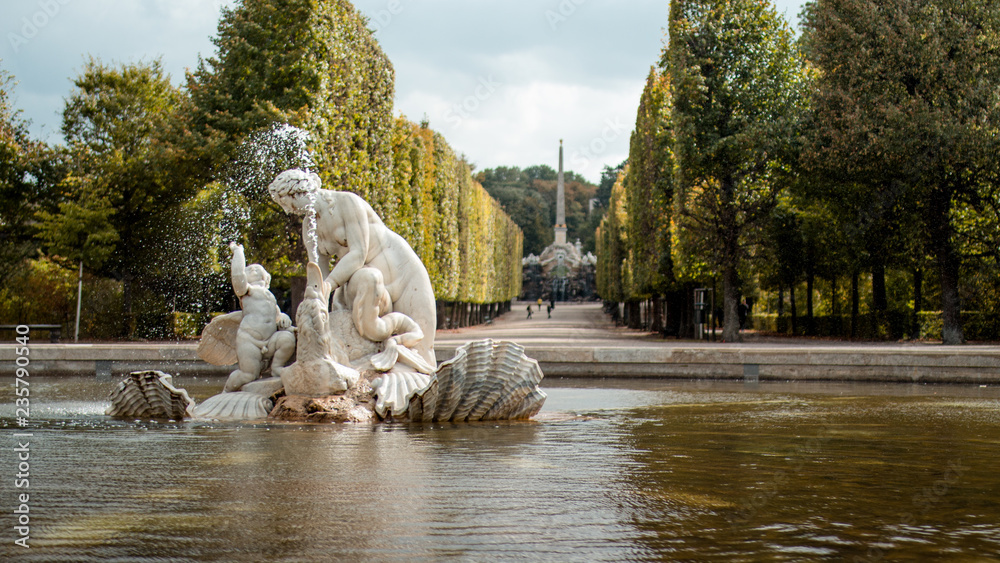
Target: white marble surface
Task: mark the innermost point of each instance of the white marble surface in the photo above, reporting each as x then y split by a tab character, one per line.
347	228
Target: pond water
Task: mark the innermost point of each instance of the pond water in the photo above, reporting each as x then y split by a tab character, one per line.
610	471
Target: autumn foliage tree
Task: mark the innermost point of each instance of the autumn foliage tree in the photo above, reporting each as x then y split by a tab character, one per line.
650	187
315	65
738	86
28	169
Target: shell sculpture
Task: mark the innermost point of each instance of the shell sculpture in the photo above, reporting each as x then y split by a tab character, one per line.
394	390
486	380
218	339
240	405
149	395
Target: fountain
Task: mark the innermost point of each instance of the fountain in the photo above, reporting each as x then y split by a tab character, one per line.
367	353
615	469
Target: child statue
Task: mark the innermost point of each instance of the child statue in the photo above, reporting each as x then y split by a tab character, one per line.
249	336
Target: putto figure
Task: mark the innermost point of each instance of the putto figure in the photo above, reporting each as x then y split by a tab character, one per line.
349	229
249	336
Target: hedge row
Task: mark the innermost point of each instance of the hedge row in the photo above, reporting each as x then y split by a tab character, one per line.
977	326
315	64
471	248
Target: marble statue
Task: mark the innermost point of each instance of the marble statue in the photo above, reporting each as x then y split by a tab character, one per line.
347	228
367	353
368	301
257	332
322	366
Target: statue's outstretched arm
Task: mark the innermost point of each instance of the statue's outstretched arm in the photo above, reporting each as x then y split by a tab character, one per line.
357	233
239	270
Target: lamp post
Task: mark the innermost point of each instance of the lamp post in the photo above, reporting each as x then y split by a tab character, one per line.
79	299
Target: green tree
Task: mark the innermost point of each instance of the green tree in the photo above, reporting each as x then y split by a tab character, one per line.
905	105
28	170
514	189
780	262
470	247
312	64
315	66
649	184
738	83
613	267
608	178
129	169
529	197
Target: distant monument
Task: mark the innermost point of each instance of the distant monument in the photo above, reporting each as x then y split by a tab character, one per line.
562	272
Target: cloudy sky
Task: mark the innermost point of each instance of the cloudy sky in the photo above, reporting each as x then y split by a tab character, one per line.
503	80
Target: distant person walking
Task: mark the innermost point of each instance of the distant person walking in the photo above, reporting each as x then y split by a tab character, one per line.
742	311
529	310
539	304
549	310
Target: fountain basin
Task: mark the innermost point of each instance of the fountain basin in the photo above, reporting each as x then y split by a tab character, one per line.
976	364
624	470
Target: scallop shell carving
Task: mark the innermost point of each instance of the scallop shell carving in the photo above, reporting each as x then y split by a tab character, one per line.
240	405
218	339
486	380
149	395
395	389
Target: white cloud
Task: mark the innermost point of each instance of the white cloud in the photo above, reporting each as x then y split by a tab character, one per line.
503	86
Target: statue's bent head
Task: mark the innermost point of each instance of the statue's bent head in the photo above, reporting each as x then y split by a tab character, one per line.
294	190
256	273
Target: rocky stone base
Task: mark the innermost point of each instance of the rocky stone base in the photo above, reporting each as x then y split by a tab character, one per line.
355	405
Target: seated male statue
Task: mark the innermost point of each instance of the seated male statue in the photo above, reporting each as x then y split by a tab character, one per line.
349	229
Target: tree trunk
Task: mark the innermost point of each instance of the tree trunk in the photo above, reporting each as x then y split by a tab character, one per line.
951	305
127	305
879	301
918	298
658	314
834	302
949	263
855	303
795	313
440	314
810	326
675	313
635	314
781	301
730	303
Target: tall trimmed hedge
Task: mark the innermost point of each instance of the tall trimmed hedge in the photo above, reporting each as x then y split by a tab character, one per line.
315	65
471	248
613	265
312	64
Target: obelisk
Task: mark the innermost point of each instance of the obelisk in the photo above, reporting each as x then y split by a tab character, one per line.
560	202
